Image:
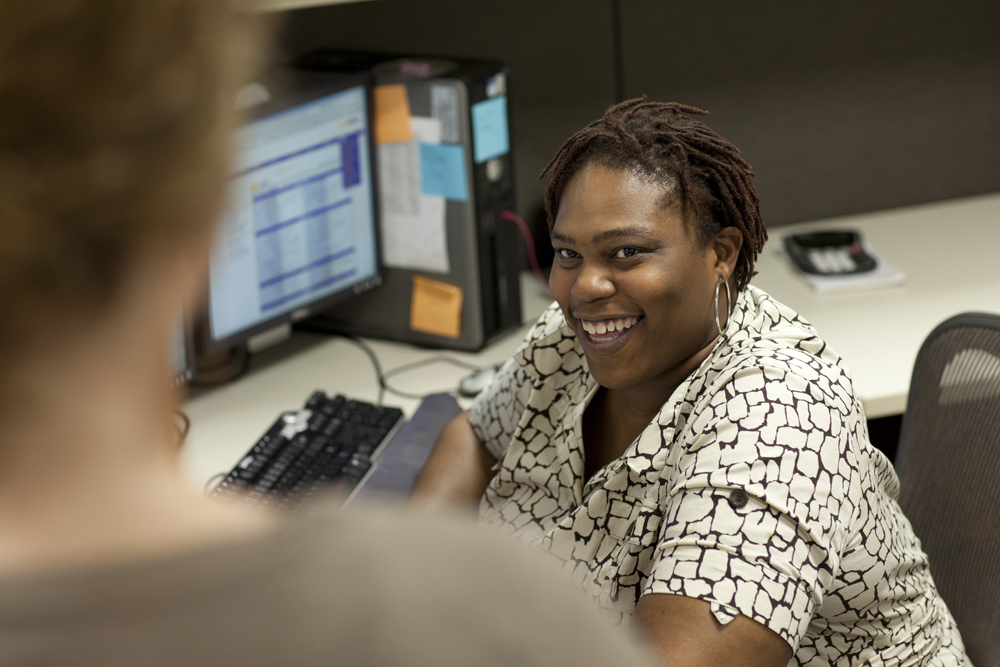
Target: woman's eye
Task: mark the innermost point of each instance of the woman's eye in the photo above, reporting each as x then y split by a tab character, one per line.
565	253
625	253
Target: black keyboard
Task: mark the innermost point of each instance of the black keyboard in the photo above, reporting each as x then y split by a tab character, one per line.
328	445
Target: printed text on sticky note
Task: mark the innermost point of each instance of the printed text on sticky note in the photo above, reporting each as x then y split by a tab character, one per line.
436	307
490	137
392	114
442	171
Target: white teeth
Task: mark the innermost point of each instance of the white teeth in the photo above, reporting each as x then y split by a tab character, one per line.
608	326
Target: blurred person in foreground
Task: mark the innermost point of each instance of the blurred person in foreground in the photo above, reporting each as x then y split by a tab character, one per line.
689	449
116	119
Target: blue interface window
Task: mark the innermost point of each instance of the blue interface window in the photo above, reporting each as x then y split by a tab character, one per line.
300	225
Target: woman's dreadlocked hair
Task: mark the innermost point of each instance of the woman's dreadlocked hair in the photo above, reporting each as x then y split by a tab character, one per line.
662	141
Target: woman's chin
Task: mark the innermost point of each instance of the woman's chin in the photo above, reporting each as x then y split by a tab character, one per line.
612	378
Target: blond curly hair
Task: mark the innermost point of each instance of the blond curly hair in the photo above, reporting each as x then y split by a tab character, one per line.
116	119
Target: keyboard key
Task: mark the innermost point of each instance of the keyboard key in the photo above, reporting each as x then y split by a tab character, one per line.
329	444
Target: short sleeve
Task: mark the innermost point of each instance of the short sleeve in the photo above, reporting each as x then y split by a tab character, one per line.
547	348
760	496
497	410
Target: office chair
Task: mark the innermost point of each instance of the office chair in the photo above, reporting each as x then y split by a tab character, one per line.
949	466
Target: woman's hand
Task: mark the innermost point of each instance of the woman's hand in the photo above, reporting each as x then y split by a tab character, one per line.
683	631
458	470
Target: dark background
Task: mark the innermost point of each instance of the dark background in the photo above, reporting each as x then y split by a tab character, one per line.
840	107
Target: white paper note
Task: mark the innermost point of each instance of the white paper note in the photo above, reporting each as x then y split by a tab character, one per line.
444	105
413	224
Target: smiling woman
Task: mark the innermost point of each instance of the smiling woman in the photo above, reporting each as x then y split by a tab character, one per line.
621	256
690	449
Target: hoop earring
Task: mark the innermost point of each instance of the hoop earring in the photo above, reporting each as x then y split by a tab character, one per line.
729	305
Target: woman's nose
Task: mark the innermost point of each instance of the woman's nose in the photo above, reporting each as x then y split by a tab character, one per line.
592	283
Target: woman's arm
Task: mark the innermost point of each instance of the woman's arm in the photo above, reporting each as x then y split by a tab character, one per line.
683	631
458	470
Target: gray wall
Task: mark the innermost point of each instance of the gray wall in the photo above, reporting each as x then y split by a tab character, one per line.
840	107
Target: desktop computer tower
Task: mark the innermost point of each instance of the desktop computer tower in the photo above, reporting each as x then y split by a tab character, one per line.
480	257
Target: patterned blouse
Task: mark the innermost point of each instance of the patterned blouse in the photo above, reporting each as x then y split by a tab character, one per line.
755	489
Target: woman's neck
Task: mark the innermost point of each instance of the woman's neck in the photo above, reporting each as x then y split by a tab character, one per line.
643	402
616	417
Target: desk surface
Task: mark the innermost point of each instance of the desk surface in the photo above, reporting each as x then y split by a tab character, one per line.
948	250
227	420
950	253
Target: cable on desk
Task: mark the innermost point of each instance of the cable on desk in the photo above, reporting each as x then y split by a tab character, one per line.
380	378
420	364
383	377
317	325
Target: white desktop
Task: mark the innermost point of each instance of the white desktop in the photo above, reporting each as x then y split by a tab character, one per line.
950	253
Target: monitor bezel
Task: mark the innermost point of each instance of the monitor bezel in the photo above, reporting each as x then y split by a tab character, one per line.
290	89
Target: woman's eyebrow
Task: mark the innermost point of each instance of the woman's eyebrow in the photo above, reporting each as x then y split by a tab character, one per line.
629	230
607	234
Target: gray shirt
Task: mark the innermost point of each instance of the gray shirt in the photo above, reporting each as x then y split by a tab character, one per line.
350	588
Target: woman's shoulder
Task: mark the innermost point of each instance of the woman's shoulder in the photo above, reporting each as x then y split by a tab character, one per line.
551	322
769	345
551	346
764	328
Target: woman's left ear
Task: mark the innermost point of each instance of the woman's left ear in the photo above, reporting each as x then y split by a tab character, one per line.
727	244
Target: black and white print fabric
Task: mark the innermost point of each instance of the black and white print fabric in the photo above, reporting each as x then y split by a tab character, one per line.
755	489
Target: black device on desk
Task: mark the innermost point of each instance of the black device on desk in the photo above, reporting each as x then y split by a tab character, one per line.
838	252
328	445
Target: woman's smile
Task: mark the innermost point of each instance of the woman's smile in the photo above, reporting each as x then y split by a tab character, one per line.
606	336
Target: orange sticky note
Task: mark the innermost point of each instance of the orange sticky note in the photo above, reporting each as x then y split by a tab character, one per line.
436	307
392	114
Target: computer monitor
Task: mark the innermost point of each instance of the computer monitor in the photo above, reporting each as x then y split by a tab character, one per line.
300	233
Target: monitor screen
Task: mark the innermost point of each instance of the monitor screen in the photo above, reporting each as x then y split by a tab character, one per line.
300	231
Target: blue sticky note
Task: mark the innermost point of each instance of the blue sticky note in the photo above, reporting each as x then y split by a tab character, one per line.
490	137
442	171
